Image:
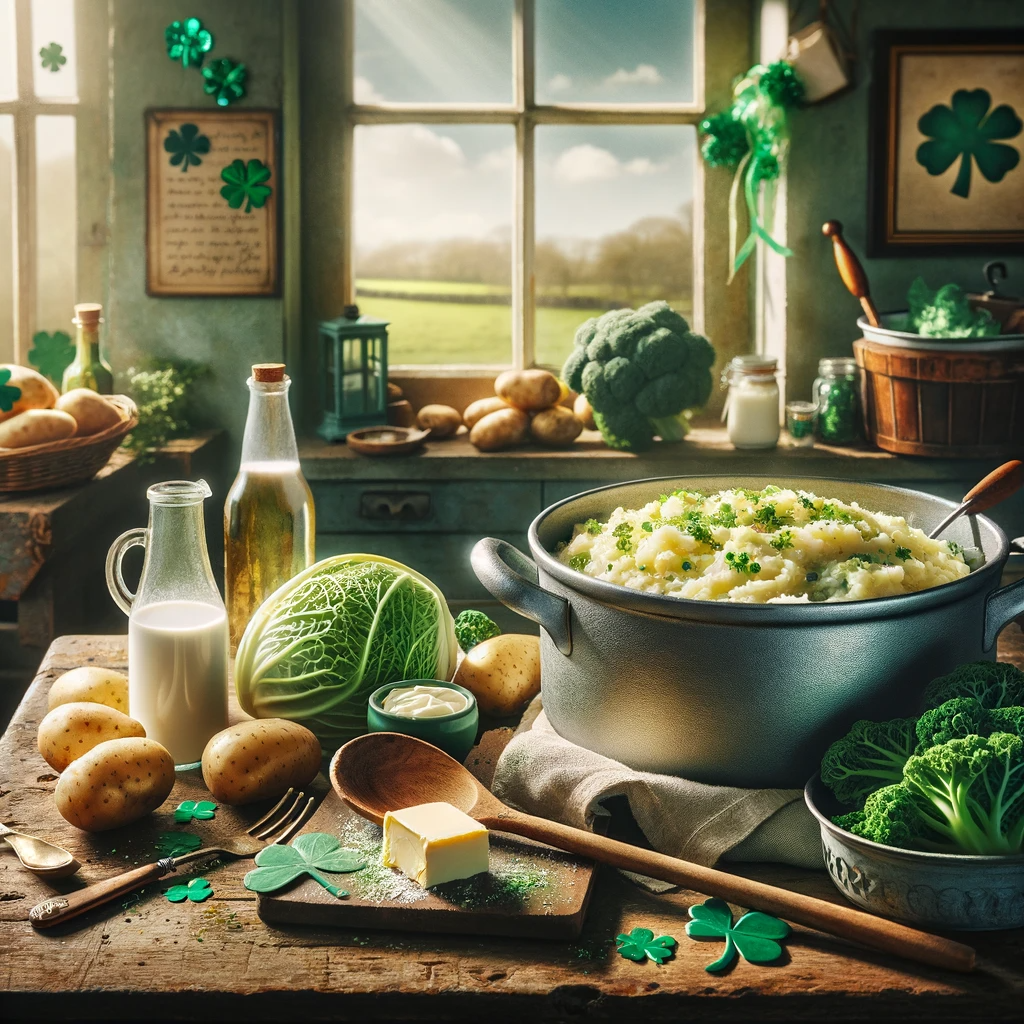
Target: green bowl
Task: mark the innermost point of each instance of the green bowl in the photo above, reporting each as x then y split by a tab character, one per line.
455	734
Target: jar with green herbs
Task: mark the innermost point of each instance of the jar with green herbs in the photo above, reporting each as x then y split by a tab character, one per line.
837	397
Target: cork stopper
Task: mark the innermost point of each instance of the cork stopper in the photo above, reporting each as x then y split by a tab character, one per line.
87	314
268	373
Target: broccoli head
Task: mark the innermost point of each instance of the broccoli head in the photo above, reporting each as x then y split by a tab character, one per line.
892	816
642	371
965	716
993	684
870	755
473	627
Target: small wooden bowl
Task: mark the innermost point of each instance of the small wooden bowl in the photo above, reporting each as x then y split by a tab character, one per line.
387	440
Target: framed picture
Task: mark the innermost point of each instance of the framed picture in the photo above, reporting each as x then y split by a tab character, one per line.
212	203
947	137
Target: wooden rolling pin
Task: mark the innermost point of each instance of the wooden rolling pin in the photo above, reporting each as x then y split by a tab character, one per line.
850	270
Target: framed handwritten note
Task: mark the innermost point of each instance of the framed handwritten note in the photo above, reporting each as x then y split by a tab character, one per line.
212	188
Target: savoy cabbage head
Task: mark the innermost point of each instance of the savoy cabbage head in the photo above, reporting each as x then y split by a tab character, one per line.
320	645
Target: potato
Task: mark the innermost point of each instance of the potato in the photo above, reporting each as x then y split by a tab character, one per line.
259	760
71	730
441	420
36	426
581	407
116	783
90	411
482	407
36	391
501	429
95	685
556	426
528	389
503	673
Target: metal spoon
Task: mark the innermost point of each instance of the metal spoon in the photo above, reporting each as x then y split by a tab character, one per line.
995	488
45	859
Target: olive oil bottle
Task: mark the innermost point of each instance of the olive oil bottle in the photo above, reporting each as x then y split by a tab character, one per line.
269	521
88	369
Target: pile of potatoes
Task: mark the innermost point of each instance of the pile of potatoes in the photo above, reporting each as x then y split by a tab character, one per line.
43	414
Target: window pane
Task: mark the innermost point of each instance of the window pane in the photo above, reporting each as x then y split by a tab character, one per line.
433	51
609	51
614	225
433	230
53	25
6	238
8	83
56	225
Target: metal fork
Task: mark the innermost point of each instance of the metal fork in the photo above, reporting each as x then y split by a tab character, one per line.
278	825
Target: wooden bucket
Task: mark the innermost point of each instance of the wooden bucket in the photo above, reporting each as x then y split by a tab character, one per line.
958	405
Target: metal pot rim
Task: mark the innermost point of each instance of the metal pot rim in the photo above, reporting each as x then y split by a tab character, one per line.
617	596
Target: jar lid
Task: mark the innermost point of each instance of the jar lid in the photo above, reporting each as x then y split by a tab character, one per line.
754	364
837	365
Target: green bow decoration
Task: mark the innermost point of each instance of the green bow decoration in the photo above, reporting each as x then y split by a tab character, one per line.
752	139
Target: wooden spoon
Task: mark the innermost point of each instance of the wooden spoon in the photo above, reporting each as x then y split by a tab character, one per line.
993	489
387	771
850	270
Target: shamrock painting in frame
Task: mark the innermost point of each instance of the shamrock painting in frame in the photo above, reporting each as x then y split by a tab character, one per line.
947	142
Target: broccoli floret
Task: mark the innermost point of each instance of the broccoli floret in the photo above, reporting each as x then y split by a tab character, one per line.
966	716
993	684
893	816
642	371
870	755
851	822
473	627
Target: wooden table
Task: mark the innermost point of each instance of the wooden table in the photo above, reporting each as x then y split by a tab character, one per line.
150	958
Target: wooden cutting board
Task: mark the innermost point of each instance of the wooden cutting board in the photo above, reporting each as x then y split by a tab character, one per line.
531	889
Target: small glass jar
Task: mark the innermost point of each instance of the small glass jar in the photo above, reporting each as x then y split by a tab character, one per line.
837	397
752	405
800	418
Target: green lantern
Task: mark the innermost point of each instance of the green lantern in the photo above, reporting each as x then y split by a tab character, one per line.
354	373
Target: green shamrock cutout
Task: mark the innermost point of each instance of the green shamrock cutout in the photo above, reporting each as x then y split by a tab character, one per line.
187	41
245	184
9	394
202	810
224	80
640	944
52	57
186	146
755	935
278	865
966	129
174	844
196	891
51	354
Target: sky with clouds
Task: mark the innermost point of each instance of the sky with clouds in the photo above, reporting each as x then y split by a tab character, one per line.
419	182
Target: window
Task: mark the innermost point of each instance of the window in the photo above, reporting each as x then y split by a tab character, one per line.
38	215
519	166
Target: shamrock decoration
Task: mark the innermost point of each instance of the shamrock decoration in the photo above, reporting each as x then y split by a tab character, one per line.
755	935
640	944
52	57
186	145
202	810
51	354
188	42
174	844
245	184
224	80
278	865
196	891
9	394
966	129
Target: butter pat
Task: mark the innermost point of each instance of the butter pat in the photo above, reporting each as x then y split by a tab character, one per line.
434	843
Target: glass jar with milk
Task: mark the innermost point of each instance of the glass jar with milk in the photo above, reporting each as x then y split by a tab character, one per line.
177	624
752	405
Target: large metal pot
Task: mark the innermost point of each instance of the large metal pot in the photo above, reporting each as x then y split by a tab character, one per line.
739	694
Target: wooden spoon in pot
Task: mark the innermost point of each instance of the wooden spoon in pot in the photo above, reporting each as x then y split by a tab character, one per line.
387	771
993	489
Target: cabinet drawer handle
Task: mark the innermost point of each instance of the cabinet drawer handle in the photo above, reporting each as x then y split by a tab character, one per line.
390	507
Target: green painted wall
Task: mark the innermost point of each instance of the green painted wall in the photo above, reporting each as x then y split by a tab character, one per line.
828	180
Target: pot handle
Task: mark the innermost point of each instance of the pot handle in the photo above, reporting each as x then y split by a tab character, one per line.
1003	605
505	571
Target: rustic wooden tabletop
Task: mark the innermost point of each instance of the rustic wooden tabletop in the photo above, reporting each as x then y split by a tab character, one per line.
146	957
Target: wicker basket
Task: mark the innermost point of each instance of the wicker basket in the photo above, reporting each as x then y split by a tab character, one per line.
67	462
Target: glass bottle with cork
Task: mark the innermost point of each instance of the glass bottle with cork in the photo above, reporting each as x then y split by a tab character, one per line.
88	369
269	521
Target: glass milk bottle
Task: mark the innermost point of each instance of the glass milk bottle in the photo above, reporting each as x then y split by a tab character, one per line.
752	405
269	522
177	624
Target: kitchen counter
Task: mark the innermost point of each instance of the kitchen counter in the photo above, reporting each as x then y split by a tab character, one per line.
147	958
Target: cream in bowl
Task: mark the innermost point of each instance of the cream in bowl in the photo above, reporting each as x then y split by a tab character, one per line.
424	701
441	713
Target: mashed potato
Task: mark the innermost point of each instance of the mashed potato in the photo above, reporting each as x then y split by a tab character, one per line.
761	546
